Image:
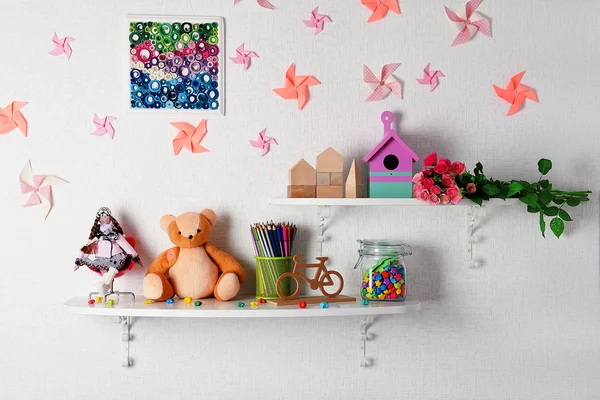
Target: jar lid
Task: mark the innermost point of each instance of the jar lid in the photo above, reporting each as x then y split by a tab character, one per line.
379	246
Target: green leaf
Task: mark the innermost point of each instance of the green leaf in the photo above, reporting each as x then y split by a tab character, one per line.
542	225
530	199
490	190
514	188
564	215
558	226
478	169
545	197
476	200
544	166
544	183
532	210
573	202
557	201
551	211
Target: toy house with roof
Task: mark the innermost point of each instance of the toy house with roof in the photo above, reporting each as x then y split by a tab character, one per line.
390	164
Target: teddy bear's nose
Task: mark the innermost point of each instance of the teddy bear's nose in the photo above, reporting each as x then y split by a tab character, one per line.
190	236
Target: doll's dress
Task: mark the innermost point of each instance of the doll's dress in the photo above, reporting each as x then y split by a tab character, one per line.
114	252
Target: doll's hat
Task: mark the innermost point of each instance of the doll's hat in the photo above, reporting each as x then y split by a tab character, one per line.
103	212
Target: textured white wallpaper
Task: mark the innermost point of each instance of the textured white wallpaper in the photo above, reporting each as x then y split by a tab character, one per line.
524	325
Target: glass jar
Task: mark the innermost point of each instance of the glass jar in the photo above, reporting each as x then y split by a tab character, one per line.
383	270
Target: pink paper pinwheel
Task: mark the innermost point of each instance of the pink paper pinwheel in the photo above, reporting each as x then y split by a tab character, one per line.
11	118
380	8
262	3
296	87
381	88
430	78
37	189
465	24
62	46
243	56
189	137
104	126
316	21
515	93
263	142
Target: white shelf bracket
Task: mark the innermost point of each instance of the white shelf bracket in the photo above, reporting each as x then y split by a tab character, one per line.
324	213
125	338
474	215
364	336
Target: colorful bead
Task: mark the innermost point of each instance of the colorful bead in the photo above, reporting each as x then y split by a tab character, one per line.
91	301
261	300
324	304
365	302
170	301
148	301
197	303
98	299
253	304
110	302
241	304
302	304
187	300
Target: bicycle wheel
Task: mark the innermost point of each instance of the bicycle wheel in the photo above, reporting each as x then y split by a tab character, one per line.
280	284
330	280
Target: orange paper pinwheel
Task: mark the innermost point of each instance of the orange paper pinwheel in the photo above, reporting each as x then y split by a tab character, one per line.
189	137
296	87
380	8
515	93
11	118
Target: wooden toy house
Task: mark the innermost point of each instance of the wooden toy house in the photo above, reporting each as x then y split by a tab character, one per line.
330	174
354	183
390	164
302	180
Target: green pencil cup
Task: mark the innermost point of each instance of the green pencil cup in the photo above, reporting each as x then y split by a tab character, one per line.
268	271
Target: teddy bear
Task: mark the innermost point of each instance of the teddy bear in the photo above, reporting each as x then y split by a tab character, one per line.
193	268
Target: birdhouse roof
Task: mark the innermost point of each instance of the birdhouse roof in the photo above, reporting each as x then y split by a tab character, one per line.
391	135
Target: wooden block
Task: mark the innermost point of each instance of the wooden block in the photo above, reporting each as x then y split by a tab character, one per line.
330	161
337	179
310	191
354	186
295	191
323	178
350	192
302	173
336	192
311	300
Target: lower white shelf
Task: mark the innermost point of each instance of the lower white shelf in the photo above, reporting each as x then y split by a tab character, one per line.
212	308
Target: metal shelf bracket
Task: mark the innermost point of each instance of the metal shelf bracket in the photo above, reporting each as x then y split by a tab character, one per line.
125	338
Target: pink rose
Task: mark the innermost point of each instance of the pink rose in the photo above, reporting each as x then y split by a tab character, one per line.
434	200
471	188
458	168
444	198
430	160
443	166
423	195
427	183
417	187
456	199
447	180
435	189
427	172
418	177
453	191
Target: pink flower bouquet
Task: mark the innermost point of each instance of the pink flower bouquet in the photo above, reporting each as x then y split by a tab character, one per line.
436	183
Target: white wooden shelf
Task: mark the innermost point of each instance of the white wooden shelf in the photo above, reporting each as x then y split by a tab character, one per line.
212	308
284	201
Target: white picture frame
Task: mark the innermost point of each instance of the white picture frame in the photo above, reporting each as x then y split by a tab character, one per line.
161	74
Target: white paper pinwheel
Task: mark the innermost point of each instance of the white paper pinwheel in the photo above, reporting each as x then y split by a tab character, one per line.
37	189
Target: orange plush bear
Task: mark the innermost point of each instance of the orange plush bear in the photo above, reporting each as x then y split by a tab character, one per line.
193	268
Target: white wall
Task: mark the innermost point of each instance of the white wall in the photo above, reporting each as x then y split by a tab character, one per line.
523	326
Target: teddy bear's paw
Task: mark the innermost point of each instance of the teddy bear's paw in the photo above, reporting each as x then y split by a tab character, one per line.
157	287
227	287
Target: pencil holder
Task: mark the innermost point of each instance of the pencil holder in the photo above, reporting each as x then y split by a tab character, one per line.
268	271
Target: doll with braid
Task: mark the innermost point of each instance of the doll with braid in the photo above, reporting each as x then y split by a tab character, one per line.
107	251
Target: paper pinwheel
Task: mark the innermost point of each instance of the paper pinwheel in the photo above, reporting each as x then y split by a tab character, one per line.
104	126
263	142
262	3
296	87
37	189
430	78
515	93
11	118
189	137
316	21
380	8
243	56
481	25
382	89
62	46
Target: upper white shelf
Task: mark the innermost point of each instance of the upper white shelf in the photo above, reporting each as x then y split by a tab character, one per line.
212	308
284	201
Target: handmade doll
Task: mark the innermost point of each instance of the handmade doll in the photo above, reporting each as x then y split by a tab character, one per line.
107	251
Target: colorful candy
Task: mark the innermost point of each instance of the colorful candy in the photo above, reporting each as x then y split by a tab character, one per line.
110	302
262	301
98	299
187	300
253	304
197	303
324	304
91	301
241	304
302	304
384	281
170	301
365	302
148	301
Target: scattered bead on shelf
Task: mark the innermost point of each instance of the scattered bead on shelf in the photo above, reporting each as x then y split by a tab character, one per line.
253	304
197	303
302	304
262	301
187	300
91	301
241	304
148	302
324	304
169	301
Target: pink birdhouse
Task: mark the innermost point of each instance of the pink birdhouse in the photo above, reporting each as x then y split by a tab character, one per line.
390	164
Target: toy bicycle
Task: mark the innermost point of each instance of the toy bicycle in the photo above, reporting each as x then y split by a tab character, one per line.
324	279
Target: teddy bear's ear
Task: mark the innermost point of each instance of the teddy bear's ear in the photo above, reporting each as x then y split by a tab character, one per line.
210	215
165	221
